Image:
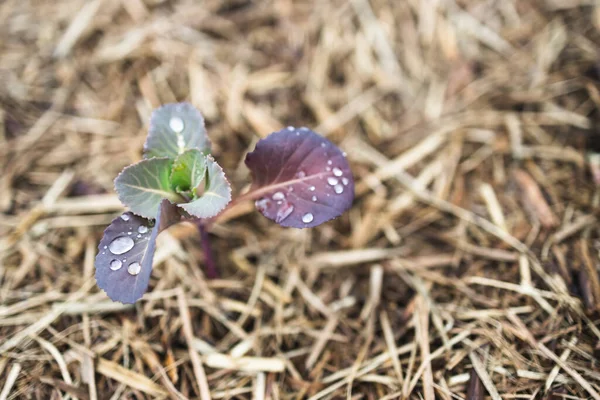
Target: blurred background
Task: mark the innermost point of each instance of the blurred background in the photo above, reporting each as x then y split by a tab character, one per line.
467	268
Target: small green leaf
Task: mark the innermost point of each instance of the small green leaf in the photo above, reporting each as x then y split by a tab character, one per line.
142	186
188	171
216	194
175	128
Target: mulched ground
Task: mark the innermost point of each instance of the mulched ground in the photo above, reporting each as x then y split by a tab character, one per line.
467	267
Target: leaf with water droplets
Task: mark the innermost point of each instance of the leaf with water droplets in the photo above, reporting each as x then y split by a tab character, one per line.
175	128
188	171
142	186
300	178
214	196
124	260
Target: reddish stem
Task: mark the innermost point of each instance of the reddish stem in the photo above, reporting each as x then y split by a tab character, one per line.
210	268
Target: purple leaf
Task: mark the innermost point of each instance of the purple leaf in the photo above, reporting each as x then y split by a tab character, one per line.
300	178
124	260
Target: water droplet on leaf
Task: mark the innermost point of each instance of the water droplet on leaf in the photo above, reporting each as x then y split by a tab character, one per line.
332	181
125	217
262	204
338	189
314	198
290	128
115	264
278	196
301	174
134	268
345	181
307	218
337	171
176	124
284	212
143	229
312	188
121	245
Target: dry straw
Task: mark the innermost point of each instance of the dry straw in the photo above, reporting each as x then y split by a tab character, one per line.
468	266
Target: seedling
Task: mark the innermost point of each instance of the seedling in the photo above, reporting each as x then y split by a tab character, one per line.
299	180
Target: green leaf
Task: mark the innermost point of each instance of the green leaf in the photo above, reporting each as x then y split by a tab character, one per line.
188	171
216	194
175	128
142	186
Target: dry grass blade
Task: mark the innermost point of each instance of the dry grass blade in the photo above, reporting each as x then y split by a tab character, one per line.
484	376
10	381
129	378
199	373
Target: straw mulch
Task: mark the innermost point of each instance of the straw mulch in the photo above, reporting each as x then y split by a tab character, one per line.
467	268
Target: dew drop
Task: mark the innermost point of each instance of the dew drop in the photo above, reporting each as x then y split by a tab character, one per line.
314	198
143	229
337	171
279	202
329	162
115	264
121	245
307	218
301	174
312	188
290	188
125	217
105	247
284	212
338	189
344	154
290	128
328	169
134	268
129	233
139	236
262	204
345	181
278	196
323	144
332	181
176	124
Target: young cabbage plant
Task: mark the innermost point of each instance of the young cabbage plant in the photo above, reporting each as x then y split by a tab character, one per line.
299	180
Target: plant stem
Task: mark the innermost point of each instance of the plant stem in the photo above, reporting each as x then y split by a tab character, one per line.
210	268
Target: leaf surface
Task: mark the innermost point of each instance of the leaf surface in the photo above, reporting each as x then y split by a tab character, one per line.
188	170
302	178
214	196
125	253
143	185
175	128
